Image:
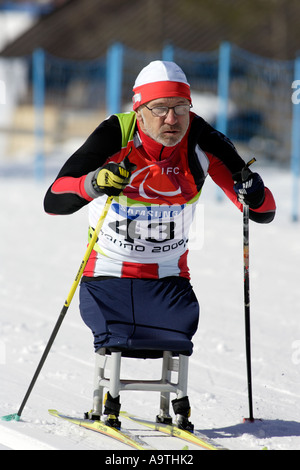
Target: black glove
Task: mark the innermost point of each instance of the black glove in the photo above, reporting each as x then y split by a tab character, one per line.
112	178
249	188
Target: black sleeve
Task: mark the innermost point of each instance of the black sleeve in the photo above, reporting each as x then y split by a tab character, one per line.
224	162
219	145
104	142
214	143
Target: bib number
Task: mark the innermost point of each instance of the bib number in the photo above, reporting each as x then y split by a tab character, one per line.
156	232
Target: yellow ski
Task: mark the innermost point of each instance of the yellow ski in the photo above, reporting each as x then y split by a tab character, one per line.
174	431
123	436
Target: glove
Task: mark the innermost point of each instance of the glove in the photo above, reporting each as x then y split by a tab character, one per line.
112	178
249	188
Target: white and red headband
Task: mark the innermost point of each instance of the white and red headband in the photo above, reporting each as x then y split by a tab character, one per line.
160	79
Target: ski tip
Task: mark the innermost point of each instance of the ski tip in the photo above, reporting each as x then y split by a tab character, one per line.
12	417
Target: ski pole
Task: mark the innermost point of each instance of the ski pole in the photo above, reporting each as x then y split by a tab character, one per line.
247	306
247	301
16	416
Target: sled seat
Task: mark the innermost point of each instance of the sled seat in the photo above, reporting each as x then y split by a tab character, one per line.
173	376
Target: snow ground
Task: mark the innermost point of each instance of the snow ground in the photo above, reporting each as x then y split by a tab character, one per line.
39	257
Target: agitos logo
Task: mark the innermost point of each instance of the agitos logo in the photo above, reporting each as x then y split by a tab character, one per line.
147	191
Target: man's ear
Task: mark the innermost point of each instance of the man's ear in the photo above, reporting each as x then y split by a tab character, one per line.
139	115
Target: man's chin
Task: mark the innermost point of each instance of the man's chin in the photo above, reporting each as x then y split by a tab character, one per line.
170	141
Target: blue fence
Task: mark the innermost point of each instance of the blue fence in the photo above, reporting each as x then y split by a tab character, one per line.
246	96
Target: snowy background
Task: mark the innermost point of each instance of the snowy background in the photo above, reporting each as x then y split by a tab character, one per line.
39	257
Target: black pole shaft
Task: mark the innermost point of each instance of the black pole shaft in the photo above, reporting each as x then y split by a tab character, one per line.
247	305
44	357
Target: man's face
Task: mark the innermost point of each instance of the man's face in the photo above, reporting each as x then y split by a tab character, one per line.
167	130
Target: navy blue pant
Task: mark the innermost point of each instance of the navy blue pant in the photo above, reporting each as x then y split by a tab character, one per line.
140	314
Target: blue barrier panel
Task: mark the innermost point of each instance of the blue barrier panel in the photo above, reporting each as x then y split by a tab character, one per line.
168	53
114	78
295	153
38	77
223	86
223	94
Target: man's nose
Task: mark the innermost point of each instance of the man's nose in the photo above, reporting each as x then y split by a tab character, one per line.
171	117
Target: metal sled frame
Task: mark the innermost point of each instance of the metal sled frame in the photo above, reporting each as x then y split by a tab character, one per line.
111	361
